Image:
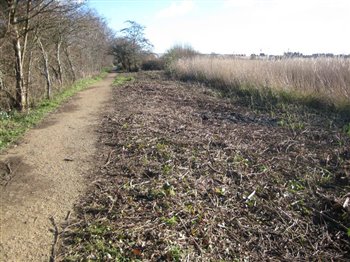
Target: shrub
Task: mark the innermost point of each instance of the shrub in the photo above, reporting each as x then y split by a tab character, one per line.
153	64
177	52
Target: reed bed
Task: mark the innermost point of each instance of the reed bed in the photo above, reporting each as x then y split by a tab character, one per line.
326	79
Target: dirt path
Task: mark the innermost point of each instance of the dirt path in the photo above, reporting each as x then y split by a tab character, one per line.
48	170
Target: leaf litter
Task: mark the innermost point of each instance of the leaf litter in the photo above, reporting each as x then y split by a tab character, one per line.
186	175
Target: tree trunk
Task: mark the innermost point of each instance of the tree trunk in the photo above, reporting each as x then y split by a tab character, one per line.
70	63
20	89
29	74
58	58
26	28
46	71
21	101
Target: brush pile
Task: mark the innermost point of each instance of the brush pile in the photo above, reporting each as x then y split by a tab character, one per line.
185	175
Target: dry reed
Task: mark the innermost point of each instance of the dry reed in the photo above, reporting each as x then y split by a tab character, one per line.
326	78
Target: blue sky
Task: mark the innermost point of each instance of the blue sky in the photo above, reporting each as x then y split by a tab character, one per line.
237	26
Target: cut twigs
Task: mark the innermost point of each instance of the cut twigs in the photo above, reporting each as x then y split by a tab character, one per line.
109	158
55	239
230	186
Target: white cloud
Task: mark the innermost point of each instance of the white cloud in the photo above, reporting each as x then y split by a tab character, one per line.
238	3
176	9
269	26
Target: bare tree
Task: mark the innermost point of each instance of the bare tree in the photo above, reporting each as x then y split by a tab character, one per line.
19	49
131	47
45	45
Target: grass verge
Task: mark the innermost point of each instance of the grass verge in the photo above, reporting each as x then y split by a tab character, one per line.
13	125
122	79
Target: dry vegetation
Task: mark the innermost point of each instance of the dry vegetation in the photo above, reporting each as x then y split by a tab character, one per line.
185	175
318	80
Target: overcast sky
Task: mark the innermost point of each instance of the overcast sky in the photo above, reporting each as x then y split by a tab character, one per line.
237	26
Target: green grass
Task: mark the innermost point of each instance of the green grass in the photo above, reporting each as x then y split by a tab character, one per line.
346	129
175	253
13	125
96	240
172	221
121	80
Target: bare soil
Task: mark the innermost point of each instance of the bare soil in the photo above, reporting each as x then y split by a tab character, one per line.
186	175
45	175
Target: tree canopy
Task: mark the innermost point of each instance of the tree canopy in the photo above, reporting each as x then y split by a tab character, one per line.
131	47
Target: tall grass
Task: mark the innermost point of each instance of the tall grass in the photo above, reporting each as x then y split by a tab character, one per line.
326	80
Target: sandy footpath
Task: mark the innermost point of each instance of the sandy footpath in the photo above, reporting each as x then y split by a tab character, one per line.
47	172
